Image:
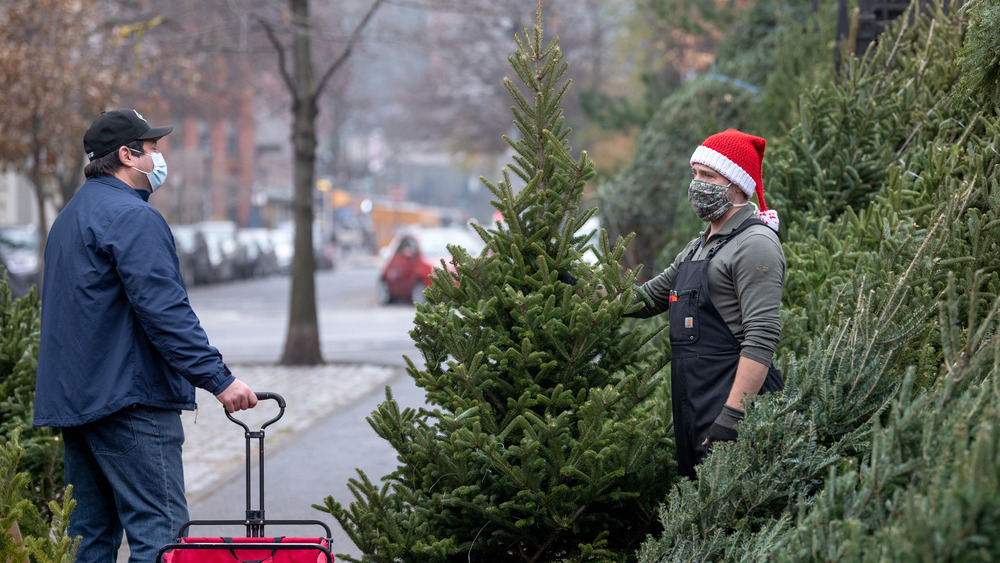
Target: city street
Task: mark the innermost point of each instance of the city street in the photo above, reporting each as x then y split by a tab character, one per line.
247	321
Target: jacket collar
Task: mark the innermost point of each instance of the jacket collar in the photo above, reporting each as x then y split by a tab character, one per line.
117	184
742	214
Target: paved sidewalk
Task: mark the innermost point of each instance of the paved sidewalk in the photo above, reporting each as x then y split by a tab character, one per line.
214	446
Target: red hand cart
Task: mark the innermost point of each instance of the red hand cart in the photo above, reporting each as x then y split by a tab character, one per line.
254	547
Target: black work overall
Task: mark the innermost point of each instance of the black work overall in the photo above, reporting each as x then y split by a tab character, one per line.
704	356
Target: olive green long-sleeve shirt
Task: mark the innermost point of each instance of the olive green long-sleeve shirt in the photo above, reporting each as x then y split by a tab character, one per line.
745	279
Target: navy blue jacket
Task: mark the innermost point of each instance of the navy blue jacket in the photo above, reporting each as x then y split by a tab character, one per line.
117	328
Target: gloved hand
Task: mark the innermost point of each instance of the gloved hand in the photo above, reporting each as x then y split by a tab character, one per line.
566	278
724	427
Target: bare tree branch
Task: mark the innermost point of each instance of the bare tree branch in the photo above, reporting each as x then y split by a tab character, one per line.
280	49
454	7
355	35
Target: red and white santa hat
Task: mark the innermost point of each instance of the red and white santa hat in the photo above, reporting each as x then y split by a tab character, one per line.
739	157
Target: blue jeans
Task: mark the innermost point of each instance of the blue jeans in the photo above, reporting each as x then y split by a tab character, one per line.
127	475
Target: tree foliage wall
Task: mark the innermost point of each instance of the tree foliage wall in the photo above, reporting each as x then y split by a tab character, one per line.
884	444
767	55
23	532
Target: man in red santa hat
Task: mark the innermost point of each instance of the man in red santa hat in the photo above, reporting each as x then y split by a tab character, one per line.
723	294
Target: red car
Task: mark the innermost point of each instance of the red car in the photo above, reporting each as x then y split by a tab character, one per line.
413	254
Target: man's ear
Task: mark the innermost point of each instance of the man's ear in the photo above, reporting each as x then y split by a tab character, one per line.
737	195
125	155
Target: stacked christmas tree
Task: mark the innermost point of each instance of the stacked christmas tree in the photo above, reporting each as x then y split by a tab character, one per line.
885	444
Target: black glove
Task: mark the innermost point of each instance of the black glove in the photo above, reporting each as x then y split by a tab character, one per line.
566	278
724	427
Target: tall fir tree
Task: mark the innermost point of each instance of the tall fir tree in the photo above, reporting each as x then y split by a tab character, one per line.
546	435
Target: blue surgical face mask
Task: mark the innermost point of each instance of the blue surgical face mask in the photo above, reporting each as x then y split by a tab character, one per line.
159	173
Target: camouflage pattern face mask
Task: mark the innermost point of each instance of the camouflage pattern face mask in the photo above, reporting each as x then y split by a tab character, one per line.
709	200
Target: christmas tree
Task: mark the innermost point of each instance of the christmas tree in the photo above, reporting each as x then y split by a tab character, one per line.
547	434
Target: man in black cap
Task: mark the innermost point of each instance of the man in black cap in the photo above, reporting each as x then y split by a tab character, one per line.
121	350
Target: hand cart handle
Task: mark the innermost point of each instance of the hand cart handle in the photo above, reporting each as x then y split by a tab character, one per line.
261	395
255	517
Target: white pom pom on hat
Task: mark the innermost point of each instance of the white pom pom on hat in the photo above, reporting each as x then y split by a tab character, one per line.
739	157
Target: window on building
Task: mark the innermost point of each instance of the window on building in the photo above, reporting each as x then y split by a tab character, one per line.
232	140
204	137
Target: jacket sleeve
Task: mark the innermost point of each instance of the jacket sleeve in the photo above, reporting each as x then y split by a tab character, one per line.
145	257
657	290
759	272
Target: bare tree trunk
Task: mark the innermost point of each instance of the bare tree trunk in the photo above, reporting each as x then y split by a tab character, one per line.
69	182
37	179
14	533
302	343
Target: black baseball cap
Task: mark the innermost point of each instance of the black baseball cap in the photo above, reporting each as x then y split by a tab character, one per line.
118	127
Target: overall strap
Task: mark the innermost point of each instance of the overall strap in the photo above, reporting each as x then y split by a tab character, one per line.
750	222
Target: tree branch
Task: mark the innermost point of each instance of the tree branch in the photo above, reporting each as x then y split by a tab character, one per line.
455	7
282	62
355	35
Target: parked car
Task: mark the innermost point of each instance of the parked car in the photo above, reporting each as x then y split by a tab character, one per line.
324	247
19	253
284	249
261	257
17	286
592	226
327	250
413	254
193	259
227	256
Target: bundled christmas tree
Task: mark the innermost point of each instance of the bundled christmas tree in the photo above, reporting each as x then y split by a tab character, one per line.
547	435
40	454
21	531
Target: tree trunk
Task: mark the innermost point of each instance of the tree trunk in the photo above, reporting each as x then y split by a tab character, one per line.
302	341
14	533
43	221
